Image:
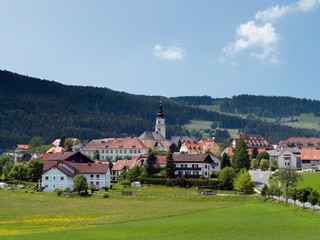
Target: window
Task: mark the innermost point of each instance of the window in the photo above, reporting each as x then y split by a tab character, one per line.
205	166
102	151
97	183
139	151
183	165
91	176
131	151
54	178
120	150
125	151
97	176
47	178
61	178
111	151
111	157
46	186
91	182
107	151
135	151
54	186
159	129
194	165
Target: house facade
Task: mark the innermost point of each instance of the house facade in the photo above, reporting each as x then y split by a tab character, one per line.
195	165
252	141
60	174
130	146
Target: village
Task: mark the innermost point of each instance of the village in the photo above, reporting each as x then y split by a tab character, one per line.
103	161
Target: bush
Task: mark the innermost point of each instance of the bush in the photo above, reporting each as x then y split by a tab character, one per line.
58	191
114	181
125	182
105	195
105	188
93	188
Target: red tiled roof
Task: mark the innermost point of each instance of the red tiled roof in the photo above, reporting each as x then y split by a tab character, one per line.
45	155
310	154
128	142
300	142
161	160
194	146
65	171
128	164
56	150
254	141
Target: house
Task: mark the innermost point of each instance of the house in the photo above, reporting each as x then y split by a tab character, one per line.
300	142
309	158
157	139
192	147
253	141
176	139
194	165
129	146
94	145
21	147
125	165
210	145
56	150
287	158
57	142
60	174
76	157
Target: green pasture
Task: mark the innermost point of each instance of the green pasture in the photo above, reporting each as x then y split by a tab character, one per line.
307	120
309	179
196	124
47	216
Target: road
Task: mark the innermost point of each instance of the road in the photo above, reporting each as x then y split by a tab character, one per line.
260	178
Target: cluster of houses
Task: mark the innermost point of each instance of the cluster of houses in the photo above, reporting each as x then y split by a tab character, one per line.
193	158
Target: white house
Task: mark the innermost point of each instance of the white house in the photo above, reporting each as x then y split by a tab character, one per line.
60	174
194	165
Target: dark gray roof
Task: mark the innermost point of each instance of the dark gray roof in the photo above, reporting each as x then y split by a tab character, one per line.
152	136
175	139
192	158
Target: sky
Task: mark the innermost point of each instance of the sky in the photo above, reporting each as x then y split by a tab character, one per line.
167	47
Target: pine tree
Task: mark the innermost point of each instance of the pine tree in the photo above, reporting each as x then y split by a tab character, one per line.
150	162
170	166
254	153
241	157
225	162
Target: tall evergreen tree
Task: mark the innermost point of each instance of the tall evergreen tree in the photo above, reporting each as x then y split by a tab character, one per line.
225	162
254	153
150	162
241	157
170	166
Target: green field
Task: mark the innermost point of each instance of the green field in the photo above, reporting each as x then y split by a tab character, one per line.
307	120
311	179
46	216
196	124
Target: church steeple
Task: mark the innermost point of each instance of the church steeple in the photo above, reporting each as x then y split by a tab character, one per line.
160	113
160	126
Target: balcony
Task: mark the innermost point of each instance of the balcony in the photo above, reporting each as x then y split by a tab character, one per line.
189	169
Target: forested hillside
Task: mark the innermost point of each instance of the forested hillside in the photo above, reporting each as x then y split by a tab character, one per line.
261	106
33	107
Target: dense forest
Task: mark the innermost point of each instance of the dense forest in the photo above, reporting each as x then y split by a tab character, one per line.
262	106
34	107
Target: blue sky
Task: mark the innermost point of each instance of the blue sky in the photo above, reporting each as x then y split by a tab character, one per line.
167	47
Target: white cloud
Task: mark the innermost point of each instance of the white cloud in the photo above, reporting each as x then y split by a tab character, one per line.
262	36
273	13
172	52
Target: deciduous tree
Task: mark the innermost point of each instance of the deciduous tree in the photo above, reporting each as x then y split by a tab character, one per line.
34	168
226	178
80	183
243	182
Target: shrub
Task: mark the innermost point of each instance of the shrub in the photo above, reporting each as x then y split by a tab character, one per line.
172	182
93	188
105	195
105	188
58	191
125	182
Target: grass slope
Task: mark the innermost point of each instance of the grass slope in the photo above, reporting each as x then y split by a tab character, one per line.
46	216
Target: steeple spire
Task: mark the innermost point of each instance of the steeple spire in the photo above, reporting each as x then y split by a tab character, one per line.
160	113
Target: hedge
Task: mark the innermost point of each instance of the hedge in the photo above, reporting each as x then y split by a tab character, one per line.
172	182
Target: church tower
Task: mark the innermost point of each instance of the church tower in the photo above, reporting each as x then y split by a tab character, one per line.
160	122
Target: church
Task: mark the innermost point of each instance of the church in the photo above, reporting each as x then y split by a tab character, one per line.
157	139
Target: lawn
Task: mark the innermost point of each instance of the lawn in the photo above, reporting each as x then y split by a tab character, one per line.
309	179
46	216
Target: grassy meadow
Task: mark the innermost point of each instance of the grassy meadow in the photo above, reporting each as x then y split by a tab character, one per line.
309	179
188	216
